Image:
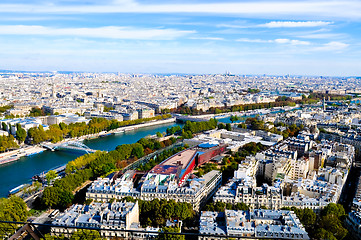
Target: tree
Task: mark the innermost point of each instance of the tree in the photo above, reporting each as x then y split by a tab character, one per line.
138	150
85	234
51	196
51	175
334	209
234	118
65	199
4	126
159	135
309	217
334	225
323	234
20	134
217	111
35	112
12	209
228	127
166	234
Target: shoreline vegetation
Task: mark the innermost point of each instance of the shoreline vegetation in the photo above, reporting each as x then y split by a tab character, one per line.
61	131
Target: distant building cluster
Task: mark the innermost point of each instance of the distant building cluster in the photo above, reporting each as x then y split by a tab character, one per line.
236	138
60	93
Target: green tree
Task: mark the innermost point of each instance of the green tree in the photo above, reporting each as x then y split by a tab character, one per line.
228	127
4	126
323	234
65	199
217	111
85	234
159	135
51	196
51	175
234	118
333	224
138	150
12	209
308	217
166	234
35	112
20	134
333	209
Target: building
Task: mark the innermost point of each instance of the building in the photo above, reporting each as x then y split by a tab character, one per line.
105	216
353	223
258	223
131	115
243	188
195	191
145	113
171	179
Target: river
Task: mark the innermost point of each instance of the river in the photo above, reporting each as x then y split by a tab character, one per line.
21	171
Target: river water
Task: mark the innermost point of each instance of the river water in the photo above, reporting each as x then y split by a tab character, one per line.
21	171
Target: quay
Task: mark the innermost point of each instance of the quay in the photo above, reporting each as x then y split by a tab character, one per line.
11	156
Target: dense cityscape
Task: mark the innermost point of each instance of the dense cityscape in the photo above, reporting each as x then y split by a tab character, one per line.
180	119
242	156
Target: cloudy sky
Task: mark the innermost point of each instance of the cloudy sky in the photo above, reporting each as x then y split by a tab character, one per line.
182	36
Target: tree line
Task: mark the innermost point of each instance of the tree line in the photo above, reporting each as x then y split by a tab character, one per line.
58	132
191	128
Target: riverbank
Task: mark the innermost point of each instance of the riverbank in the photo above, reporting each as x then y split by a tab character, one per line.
14	155
147	124
11	156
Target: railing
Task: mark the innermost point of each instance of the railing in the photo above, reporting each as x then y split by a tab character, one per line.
37	231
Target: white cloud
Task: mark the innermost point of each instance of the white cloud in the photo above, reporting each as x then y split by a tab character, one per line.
113	32
346	9
322	35
207	38
279	41
291	41
332	46
232	26
294	24
253	40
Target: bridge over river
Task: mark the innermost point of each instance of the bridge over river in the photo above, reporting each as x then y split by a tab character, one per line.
68	146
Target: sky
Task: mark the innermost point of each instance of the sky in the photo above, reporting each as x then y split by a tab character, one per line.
318	37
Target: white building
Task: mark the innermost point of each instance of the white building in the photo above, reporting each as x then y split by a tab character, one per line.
258	223
108	217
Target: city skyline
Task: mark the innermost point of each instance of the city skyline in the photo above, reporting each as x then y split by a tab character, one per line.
258	37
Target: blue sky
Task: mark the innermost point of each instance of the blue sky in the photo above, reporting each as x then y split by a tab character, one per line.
132	36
